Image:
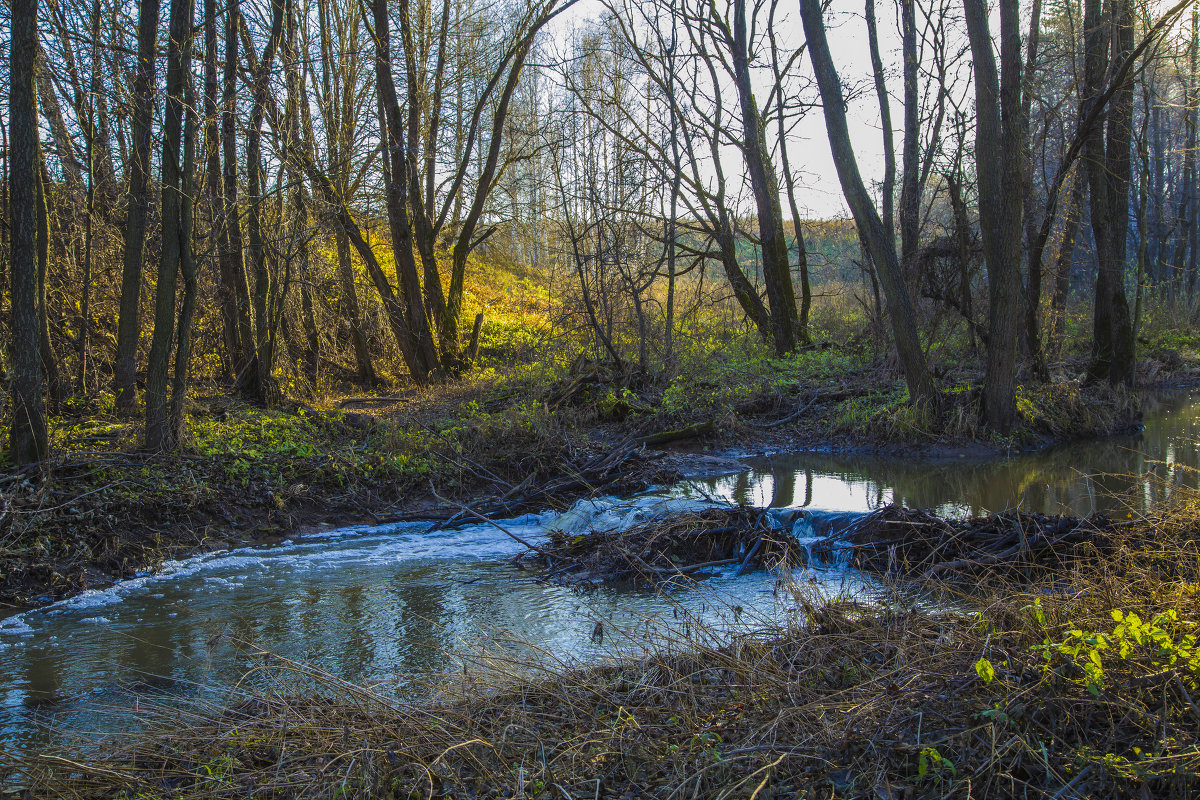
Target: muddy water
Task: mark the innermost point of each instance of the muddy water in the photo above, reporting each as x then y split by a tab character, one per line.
394	606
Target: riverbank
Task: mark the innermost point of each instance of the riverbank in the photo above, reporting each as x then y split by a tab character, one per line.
520	441
1080	683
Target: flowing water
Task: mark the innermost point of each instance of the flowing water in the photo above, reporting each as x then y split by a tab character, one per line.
396	605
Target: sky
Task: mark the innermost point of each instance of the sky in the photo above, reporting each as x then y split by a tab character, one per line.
808	148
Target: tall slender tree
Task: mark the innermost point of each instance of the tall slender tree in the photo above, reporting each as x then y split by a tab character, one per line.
999	150
879	242
27	438
1108	160
176	227
142	125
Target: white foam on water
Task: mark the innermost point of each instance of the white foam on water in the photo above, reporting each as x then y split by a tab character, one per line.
618	514
231	568
95	621
15	626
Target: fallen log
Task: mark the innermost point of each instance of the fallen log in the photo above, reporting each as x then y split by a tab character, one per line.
687	432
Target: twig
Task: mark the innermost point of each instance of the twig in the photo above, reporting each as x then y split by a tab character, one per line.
794	415
472	512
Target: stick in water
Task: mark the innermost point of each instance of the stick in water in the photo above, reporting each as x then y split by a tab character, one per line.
493	523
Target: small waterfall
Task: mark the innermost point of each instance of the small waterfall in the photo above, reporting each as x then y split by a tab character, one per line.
819	533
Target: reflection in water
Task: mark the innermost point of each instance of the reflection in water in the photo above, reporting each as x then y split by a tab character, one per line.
389	607
392	606
1114	476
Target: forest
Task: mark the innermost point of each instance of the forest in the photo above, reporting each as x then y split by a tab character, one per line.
272	268
286	200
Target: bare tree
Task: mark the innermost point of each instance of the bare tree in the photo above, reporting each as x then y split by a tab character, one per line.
878	241
176	225
1108	162
27	437
129	323
999	151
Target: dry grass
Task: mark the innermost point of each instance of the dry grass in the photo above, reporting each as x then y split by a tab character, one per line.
996	694
1081	681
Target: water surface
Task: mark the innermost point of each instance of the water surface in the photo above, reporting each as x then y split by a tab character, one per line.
395	605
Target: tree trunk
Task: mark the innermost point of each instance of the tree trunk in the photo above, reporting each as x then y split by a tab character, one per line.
396	312
27	437
296	100
187	268
1034	255
129	323
1109	168
888	189
349	308
871	231
265	390
424	358
1065	260
217	235
232	257
1181	275
999	147
56	387
777	274
159	434
910	180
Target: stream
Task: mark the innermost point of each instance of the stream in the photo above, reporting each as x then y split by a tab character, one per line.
397	606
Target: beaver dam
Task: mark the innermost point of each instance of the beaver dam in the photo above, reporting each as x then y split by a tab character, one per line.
892	540
669	549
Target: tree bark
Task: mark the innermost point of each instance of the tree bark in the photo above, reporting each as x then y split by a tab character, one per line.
264	389
350	309
218	236
1182	276
421	354
908	345
187	268
27	436
777	274
1109	168
232	257
1034	255
999	150
129	323
159	435
888	189
1064	261
296	103
910	179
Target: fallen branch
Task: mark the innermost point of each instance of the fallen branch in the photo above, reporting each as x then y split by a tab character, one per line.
688	432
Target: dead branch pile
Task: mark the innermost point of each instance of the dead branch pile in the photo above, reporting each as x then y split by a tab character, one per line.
603	473
668	549
914	542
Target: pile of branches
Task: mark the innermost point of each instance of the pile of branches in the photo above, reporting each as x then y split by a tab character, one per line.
666	550
618	469
917	543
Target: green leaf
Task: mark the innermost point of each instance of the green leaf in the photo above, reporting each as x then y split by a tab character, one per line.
985	671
